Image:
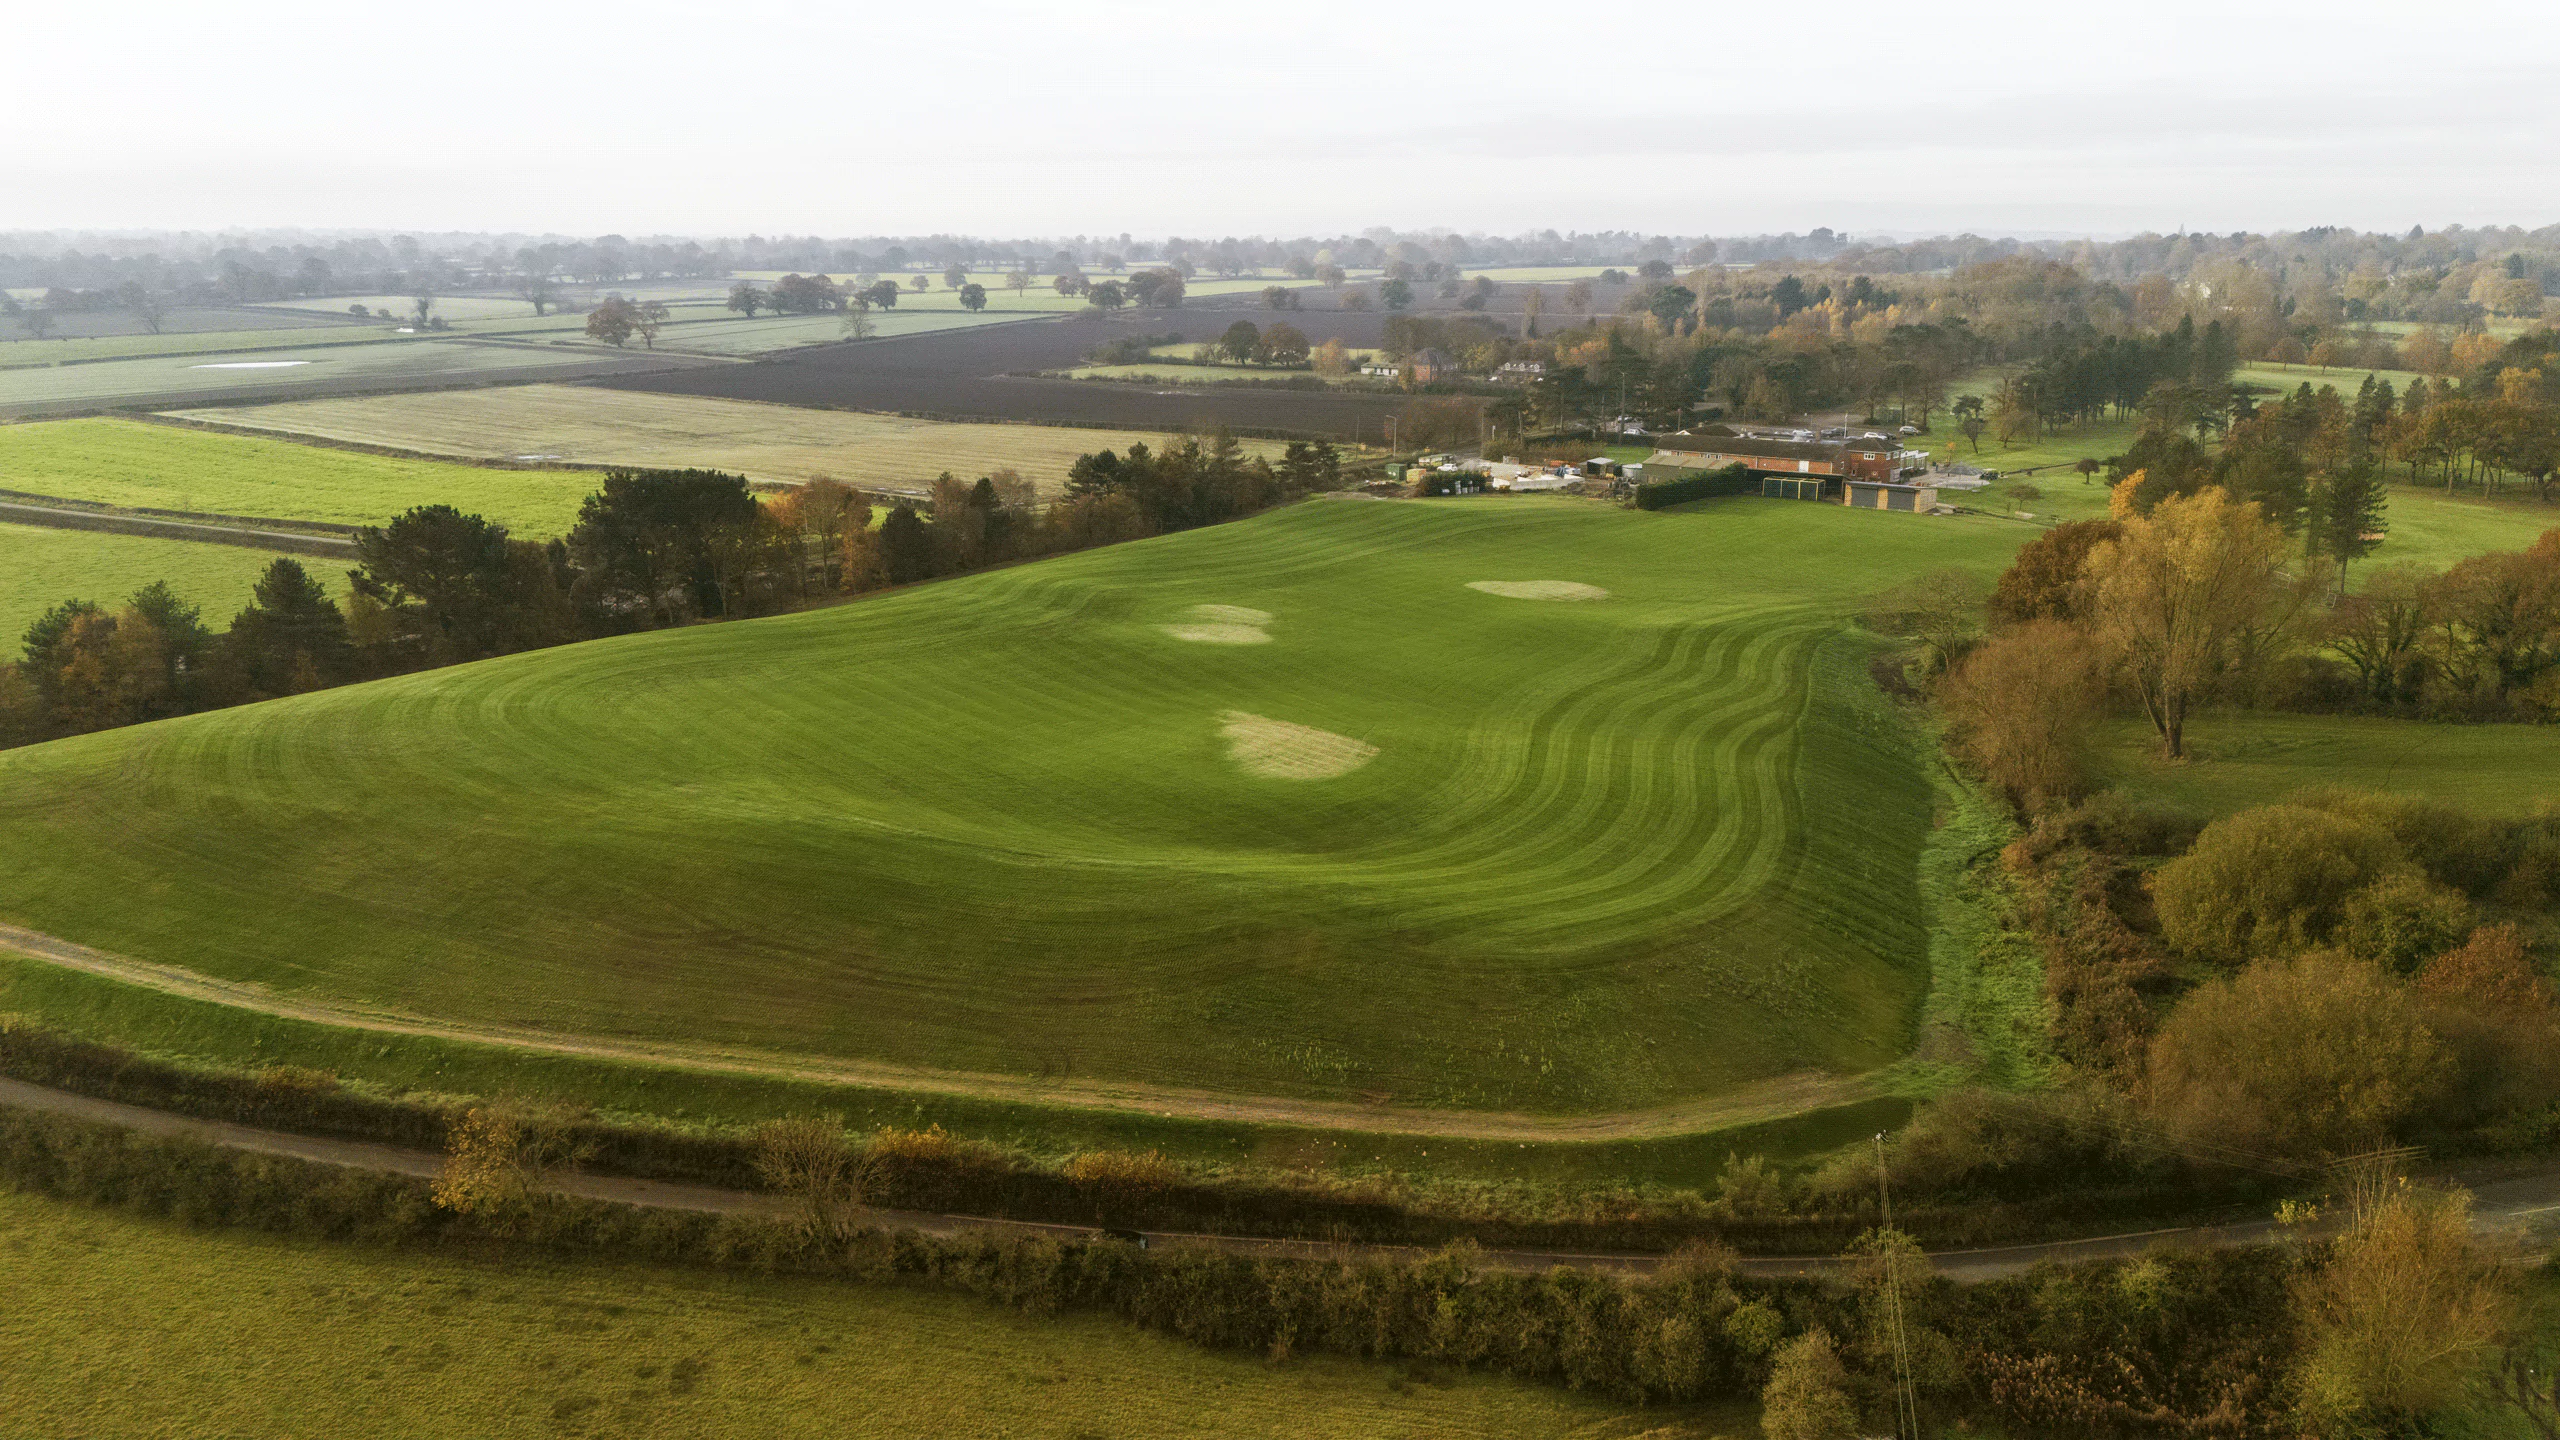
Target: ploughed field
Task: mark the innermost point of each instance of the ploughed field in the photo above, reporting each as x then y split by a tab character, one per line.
1353	800
968	374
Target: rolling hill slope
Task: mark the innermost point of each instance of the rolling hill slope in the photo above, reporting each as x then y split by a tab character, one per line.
1284	807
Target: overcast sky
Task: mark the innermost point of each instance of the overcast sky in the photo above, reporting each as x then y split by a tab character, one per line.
653	116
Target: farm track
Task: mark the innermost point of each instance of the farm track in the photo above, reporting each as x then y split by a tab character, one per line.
1773	1099
2509	1209
208	531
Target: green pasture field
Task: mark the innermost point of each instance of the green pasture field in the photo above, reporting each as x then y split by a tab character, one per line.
41	567
451	307
122	1326
2242	760
1041	295
1189	374
1608	853
423	360
1543	274
2345	379
616	427
19	353
136	464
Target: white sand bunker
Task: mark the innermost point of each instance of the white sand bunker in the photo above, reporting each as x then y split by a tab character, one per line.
1539	589
1223	625
1219	634
1278	750
250	365
1230	614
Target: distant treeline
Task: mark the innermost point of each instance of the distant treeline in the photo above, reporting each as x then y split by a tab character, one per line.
652	548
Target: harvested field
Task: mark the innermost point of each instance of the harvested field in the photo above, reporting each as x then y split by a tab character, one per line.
990	373
585	425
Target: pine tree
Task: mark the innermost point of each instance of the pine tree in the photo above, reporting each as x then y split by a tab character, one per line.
2347	518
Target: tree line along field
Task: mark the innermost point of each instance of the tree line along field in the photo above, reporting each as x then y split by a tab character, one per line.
615	427
106	1334
141	465
44	567
1406	840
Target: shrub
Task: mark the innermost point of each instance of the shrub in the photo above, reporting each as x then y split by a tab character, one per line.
2491	970
2269	881
2319	1054
2403	920
2021	708
1692	485
2401	1314
2468	852
1807	1397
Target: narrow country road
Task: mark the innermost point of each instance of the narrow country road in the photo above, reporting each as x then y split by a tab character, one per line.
2525	1208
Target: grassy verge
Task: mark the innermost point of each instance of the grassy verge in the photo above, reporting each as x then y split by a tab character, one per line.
1483	1177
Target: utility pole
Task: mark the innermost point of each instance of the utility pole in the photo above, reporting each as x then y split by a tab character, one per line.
1906	1399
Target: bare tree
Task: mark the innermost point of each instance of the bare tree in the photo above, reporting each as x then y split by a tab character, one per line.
647	320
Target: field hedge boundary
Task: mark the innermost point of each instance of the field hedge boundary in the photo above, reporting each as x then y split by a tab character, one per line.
966	1178
1693	485
2035	1354
1665	1338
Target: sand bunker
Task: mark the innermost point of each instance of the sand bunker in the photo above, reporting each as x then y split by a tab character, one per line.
250	365
1222	625
1278	750
1230	615
1219	634
1539	589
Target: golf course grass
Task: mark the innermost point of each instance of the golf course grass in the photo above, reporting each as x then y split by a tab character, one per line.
1606	853
119	1326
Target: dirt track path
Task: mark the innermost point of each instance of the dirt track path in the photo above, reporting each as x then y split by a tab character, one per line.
1767	1100
2523	1207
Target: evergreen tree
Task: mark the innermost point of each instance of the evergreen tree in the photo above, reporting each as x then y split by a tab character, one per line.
906	546
292	637
2347	518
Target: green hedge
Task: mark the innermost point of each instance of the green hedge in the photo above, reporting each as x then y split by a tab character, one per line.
972	1179
1691	485
2200	1347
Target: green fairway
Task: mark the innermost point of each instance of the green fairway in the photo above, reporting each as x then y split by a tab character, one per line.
2245	760
118	1326
1601	853
41	567
167	467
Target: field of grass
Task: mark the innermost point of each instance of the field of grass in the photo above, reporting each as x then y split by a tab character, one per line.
2345	379
118	1326
1608	853
451	307
40	568
2256	759
424	361
167	467
21	353
620	427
